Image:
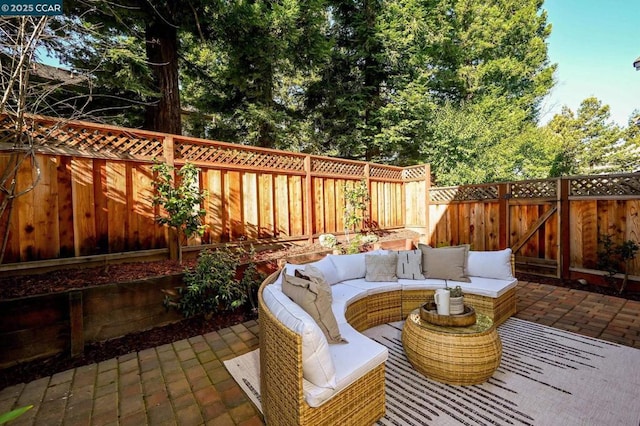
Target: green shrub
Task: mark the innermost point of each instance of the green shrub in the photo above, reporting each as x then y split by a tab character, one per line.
455	291
213	287
614	258
182	199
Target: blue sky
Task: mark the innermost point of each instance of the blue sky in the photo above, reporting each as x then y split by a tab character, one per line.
594	43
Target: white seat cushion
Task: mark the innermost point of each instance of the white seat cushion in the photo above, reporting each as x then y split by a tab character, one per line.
426	284
352	361
343	295
374	287
486	286
317	363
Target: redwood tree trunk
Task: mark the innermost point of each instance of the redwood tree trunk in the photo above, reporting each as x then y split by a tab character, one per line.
162	54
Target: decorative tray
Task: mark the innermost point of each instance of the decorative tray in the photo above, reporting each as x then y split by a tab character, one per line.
429	313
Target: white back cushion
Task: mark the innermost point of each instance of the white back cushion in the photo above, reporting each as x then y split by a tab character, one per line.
491	264
349	266
328	269
317	364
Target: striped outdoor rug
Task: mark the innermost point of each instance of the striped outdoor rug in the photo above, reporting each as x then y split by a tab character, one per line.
546	377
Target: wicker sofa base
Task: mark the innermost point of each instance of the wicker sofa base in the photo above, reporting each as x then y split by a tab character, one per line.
363	402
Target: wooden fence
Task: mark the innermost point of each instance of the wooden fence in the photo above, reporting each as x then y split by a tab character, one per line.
95	189
552	225
94	194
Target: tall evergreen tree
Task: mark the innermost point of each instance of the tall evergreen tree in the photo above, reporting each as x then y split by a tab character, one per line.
477	74
251	75
345	101
133	55
590	141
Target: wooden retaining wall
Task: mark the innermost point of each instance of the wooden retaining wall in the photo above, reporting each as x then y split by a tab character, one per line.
39	326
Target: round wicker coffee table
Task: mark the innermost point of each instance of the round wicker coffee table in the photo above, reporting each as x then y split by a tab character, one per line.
452	355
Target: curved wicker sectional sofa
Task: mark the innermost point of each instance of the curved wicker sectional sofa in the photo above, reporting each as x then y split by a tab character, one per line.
289	398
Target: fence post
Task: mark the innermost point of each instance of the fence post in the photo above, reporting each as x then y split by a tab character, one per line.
308	198
565	228
367	178
173	240
427	201
503	215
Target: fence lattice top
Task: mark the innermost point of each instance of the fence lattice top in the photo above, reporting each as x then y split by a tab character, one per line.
414	172
534	189
332	166
464	193
606	185
76	138
89	139
232	155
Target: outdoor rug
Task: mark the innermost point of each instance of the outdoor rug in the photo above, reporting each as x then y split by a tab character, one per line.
546	377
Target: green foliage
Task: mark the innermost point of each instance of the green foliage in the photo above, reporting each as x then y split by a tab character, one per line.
615	257
345	101
455	291
181	198
213	287
356	204
250	71
14	414
353	245
251	280
590	142
328	240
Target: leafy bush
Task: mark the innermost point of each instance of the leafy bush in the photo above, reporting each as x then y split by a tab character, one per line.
212	286
181	199
356	204
613	258
328	241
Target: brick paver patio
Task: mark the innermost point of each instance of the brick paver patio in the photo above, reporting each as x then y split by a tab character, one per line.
185	383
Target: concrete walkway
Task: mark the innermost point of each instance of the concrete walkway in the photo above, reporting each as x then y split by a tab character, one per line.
185	383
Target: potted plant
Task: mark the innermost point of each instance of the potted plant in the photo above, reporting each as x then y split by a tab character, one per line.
456	300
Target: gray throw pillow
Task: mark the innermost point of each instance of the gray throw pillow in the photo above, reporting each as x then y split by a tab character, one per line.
467	247
381	267
445	263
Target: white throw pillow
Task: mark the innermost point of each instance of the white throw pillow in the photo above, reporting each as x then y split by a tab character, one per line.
491	264
348	266
410	264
